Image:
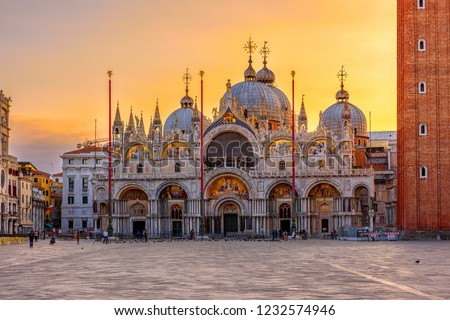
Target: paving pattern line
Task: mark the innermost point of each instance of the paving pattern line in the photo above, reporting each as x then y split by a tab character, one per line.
389	283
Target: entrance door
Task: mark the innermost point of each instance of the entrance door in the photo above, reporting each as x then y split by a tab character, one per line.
285	225
325	225
285	217
176	228
230	224
138	226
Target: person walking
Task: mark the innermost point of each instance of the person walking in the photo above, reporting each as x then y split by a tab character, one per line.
31	237
105	237
274	234
78	237
36	235
145	236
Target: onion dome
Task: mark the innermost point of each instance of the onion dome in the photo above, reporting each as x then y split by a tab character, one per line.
179	119
332	116
182	118
265	75
187	102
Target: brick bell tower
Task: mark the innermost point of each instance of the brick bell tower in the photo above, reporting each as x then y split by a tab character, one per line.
423	115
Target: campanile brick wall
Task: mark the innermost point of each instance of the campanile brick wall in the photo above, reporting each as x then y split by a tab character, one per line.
423	204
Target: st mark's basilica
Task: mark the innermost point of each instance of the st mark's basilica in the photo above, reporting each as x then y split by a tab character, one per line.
156	182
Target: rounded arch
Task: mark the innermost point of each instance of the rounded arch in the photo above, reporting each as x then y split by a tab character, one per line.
223	202
280	147
176	150
138	152
282	188
316	188
219	172
226	185
133	192
172	190
361	185
230	148
137	209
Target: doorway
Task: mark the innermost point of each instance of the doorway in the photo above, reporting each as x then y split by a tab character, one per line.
325	227
176	228
230	224
138	226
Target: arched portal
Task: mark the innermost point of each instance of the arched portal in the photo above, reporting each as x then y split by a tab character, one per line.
323	206
171	207
362	204
230	212
134	202
280	206
284	213
176	212
230	149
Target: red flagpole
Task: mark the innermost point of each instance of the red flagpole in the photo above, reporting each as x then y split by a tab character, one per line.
110	229
202	190
293	135
293	153
201	133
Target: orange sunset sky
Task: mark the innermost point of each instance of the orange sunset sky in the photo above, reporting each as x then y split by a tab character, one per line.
54	56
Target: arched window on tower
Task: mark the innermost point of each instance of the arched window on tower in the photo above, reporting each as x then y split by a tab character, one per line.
422	129
423	172
421	4
422	45
422	87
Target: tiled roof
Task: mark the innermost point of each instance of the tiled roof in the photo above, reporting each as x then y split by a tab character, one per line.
87	149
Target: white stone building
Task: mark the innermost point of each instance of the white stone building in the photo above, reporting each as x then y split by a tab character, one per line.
79	167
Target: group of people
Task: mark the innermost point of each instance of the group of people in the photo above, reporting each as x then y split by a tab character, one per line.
283	235
33	236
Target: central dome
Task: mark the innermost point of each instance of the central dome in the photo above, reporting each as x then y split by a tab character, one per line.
252	95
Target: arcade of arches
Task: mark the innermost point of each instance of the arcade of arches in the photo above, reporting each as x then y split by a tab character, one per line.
229	210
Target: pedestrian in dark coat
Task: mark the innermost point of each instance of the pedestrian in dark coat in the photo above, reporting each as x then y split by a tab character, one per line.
31	237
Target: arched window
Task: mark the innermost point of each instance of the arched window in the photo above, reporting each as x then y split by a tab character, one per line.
177	167
421	4
422	87
140	167
421	45
176	212
423	172
285	211
282	165
422	129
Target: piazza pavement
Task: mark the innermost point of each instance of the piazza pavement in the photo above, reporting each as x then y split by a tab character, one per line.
311	269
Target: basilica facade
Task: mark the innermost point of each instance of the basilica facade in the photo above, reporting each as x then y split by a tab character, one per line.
248	154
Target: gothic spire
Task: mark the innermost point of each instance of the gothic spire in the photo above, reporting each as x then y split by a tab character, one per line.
131	127
302	118
157	117
195	116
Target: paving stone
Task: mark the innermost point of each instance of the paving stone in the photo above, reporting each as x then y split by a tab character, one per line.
312	269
